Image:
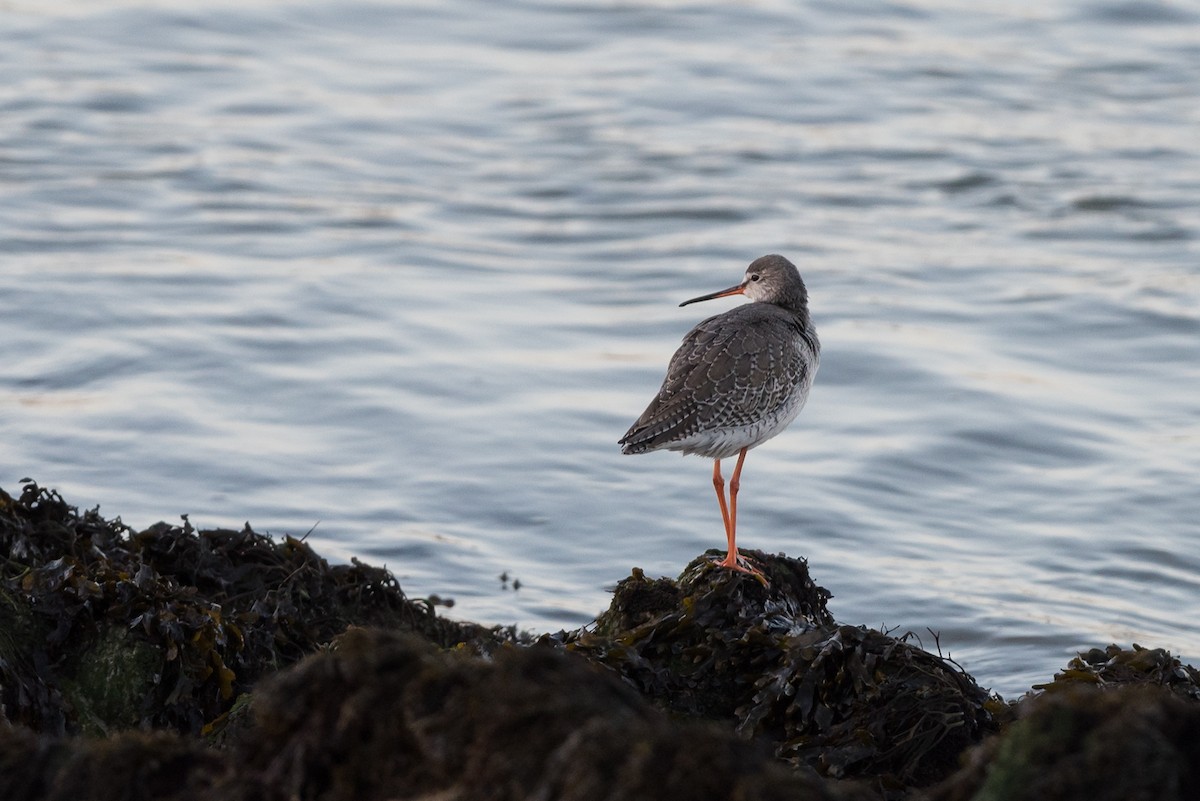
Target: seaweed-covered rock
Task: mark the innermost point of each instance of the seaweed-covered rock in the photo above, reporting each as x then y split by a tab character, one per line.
847	701
1116	666
103	628
385	716
1116	723
1083	743
130	766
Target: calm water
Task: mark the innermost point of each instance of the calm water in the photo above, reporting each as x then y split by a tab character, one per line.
401	274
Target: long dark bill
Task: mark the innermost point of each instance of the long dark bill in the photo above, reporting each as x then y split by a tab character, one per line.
733	290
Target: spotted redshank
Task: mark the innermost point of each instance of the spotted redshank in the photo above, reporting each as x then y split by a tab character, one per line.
738	379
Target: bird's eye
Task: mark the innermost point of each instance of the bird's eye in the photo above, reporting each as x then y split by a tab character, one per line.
755	277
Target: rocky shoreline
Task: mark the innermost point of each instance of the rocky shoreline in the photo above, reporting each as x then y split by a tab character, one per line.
180	664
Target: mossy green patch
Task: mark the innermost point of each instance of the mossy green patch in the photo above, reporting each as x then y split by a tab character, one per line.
110	685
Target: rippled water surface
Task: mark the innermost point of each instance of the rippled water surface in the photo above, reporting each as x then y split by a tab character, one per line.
401	274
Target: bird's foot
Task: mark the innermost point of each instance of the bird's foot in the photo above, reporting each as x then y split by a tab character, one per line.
735	561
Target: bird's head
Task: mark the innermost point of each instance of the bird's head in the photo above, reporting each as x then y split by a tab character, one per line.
769	279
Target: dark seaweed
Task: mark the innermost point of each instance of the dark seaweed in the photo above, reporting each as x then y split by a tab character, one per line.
846	701
163	628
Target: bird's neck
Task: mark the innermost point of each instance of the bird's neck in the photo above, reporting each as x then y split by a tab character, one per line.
797	307
796	303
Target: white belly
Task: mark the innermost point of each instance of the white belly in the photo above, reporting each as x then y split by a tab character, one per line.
725	441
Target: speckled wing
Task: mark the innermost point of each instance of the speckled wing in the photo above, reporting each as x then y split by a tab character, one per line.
739	368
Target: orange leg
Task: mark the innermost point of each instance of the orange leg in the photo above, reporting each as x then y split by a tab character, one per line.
735	484
730	516
719	486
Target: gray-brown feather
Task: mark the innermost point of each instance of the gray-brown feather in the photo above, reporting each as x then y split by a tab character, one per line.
740	368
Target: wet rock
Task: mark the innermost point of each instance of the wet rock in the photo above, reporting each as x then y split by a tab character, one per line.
1115	666
387	716
103	628
131	766
709	687
1084	743
845	701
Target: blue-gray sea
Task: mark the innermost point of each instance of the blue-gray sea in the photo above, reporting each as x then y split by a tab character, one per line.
397	276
